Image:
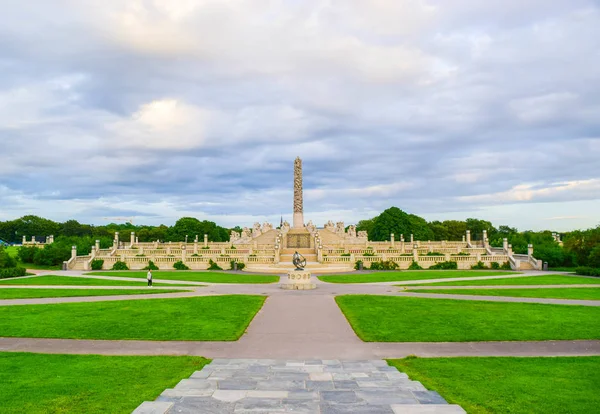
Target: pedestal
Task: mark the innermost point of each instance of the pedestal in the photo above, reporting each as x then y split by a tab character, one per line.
299	280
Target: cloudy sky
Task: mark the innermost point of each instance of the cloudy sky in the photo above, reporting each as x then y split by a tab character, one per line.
158	109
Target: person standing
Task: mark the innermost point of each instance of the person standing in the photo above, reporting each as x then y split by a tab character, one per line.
149	277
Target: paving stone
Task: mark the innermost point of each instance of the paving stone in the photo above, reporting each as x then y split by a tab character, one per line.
321	376
237	385
428	409
302	386
155	407
429	397
320	386
254	405
345	385
201	405
328	408
229	395
339	396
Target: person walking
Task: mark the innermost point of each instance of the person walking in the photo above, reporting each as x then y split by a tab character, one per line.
149	277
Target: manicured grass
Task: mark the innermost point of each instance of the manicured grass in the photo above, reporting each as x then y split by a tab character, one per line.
406	319
45	383
12	251
409	275
51	280
511	385
562	293
60	293
526	280
213	318
209	277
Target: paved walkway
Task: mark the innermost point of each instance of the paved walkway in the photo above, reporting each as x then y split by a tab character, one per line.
313	386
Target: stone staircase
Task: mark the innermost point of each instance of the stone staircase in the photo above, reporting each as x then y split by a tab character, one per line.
279	386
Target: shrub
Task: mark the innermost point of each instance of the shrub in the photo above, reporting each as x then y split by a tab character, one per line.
26	253
495	265
12	272
358	264
120	266
232	248
406	254
594	258
463	254
205	248
140	255
387	265
414	266
345	255
479	266
435	254
506	266
368	254
213	265
196	255
180	266
240	266
97	264
6	260
587	271
444	266
151	266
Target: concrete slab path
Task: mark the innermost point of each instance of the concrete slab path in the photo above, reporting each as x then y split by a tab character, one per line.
299	386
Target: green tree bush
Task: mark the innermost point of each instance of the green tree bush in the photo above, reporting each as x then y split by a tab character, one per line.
444	266
414	266
479	266
180	266
213	266
120	266
97	264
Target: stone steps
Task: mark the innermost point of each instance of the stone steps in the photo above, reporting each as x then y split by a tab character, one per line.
319	386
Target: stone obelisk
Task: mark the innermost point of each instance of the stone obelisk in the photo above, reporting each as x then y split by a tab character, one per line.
298	200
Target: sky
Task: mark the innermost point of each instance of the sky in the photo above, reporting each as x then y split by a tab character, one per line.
152	110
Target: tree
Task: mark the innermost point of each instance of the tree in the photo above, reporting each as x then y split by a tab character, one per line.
394	220
477	227
366	225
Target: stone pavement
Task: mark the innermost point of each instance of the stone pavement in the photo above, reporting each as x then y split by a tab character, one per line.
299	386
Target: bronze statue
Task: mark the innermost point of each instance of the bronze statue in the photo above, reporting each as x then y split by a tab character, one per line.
299	261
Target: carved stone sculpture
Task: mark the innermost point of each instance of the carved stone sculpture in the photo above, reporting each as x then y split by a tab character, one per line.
298	199
352	231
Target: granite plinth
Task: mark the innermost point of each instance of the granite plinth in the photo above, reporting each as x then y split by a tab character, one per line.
299	280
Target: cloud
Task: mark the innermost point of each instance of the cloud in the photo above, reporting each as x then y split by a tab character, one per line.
198	107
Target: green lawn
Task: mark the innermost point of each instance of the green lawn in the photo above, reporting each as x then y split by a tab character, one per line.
51	280
60	293
562	293
511	385
409	275
209	277
406	319
45	383
213	318
12	250
526	280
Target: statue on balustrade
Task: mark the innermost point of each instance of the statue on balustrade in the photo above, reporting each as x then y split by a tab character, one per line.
267	227
330	226
363	235
352	231
311	227
256	230
340	228
234	236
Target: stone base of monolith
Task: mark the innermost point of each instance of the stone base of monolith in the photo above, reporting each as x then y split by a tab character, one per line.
299	280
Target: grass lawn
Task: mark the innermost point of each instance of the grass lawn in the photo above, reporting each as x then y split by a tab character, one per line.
12	251
76	281
405	319
45	383
213	318
209	277
562	293
511	385
60	293
526	280
409	275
